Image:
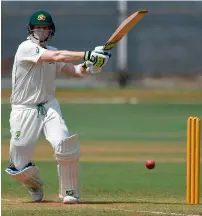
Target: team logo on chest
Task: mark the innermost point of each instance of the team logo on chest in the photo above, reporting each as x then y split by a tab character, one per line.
37	50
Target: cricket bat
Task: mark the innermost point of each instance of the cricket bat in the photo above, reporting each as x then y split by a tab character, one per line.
124	28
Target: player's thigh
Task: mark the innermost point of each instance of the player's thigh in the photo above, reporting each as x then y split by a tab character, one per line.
25	127
55	129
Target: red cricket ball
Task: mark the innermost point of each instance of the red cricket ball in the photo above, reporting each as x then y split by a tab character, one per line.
150	164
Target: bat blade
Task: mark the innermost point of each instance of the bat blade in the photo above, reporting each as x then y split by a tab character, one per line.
124	28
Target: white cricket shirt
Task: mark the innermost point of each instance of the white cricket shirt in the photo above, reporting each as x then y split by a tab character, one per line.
32	82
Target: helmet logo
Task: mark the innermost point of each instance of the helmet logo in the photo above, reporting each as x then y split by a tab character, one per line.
41	17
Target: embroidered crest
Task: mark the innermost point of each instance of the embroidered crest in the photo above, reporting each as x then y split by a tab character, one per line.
17	135
41	17
37	49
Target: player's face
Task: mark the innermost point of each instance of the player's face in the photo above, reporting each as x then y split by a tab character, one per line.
41	32
45	27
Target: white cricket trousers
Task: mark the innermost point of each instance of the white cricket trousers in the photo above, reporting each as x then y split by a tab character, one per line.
26	126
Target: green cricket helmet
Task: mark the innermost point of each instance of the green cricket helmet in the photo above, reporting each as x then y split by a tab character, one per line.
41	18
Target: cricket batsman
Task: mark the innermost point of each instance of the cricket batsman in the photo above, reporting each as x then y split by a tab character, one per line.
35	109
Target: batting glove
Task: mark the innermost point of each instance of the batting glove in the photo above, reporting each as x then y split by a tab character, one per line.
91	68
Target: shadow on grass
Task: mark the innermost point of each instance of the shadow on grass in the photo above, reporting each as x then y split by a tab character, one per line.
131	202
109	202
44	202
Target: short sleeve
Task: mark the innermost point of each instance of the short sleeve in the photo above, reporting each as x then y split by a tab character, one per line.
29	51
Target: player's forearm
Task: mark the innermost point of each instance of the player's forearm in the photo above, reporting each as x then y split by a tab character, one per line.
69	56
62	56
74	70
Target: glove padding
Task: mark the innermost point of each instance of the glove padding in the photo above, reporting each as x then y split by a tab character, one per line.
100	49
98	56
91	68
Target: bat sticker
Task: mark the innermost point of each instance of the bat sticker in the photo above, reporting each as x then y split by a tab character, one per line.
110	45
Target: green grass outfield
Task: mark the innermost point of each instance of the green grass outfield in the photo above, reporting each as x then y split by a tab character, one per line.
127	187
116	139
